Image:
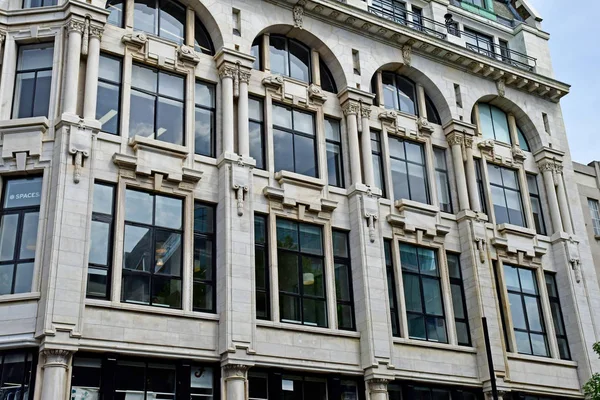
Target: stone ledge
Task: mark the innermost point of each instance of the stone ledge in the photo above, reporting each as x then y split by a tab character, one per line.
149	310
13	298
414	206
293	178
435	346
517	230
307	329
140	142
541	360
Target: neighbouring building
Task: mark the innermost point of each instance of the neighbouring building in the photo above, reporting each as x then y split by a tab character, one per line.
289	200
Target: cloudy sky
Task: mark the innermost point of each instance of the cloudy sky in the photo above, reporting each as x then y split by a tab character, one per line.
576	60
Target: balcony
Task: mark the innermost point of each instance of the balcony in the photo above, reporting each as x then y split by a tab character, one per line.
412	20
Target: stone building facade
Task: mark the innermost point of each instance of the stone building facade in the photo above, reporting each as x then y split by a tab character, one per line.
288	199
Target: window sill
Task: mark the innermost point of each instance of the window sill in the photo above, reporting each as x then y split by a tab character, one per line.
434	345
205	159
10	298
338	190
307	329
417	207
517	230
260	172
541	360
40	123
298	179
150	309
143	142
109	137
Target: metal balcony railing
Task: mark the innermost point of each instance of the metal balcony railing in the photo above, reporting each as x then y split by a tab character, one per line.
497	52
412	20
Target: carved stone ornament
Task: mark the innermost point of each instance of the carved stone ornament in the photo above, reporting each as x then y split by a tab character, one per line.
187	54
334	14
407	54
518	154
365	111
480	244
350	20
487	146
455	139
298	13
80	144
85	40
468	142
96	31
137	40
501	86
424	126
350	108
574	258
75	26
240	184
56	358
547	165
388	116
378	385
315	93
366	26
318	9
227	71
273	82
235	371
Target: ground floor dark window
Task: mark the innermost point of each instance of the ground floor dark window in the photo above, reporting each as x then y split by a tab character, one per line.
16	374
418	391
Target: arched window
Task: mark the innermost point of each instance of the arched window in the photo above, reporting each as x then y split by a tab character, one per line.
494	125
327	81
432	113
289	57
116	8
202	42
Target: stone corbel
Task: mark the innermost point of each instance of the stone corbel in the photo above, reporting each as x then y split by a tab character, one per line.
136	40
240	185
316	95
572	248
487	147
424	126
371	214
407	54
80	145
298	14
480	243
187	55
235	371
518	155
274	82
501	87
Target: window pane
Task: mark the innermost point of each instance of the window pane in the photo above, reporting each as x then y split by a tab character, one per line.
495	175
172	21
23	278
97	283
416	326
511	277
171	85
136	248
557	318
418	183
303	122
37	56
462	333
6	278
538	345
457	302
12	377
453	266
144	16
143	77
399	179
284	150
443	191
169	121
436	329
289	308
136	289
142	105
509	178
260	270
523	344
287	234
485	117
138	206
408	258
203	218
161	379
500	210
288	272
168	253
203	258
130	376
412	292
528	281
262	305
406	95
257	144
202	42
500	125
116	12
299	61
203	296
515	212
278	55
414	152
8	236
24	92
340	244
313	277
42	94
168	212
390	96
563	348
428	261
282	116
310	239
315	312
332	129
378	172
166	292
107	107
334	164
517	312
342	282
533	314
433	297
204	129
304	154
205	95
99	243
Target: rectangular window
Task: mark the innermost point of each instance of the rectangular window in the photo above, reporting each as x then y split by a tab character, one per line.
480	187
391	9
101	240
261	267
115	7
19	215
257	131
526	311
258	386
33	80
409	175
479	43
108	106
536	204
459	304
204	258
297	387
506	195
38	3
16	371
423	294
377	158
301	273
333	140
294	141
391	283
204	129
557	316
442	180
417	18
157	105
343	280
85	381
152	253
595	213
504	50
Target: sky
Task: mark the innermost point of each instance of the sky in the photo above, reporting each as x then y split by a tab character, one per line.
575	54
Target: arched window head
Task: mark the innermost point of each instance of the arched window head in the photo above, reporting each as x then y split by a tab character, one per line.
202	42
289	57
327	81
494	125
432	113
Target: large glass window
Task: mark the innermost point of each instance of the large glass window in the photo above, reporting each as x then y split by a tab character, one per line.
164	18
478	42
506	195
526	311
480	186
16	368
261	267
557	316
116	9
38	3
204	136
100	258
108	106
391	284
152	249
377	159
442	180
157	104
202	42
536	204
399	93
256	130
144	380
494	124
294	141
423	294
301	273
343	280
409	175
18	233
595	214
204	258
459	305
289	57
33	80
333	139
85	381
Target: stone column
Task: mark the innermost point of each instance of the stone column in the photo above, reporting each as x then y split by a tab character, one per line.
471	176
456	140
235	377
91	74
377	389
365	145
547	167
243	129
351	110
563	203
75	29
226	73
56	364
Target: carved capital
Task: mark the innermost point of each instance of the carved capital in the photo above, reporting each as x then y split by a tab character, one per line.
546	165
244	76
351	108
468	142
235	371
455	139
227	71
56	358
365	111
558	168
96	31
75	26
407	54
378	385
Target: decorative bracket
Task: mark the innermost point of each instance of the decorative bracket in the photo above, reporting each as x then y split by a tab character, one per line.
239	183
187	55
136	40
80	144
480	243
274	82
298	13
371	214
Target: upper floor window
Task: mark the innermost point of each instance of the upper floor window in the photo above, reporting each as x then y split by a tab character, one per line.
391	284
108	106
33	80
205	291
479	42
261	267
20	214
333	139
38	3
152	249
377	159
442	180
557	316
595	214
289	57
204	111
117	10
343	280
506	195
164	18
459	304
202	42
536	204
494	125
409	175
16	368
294	141
399	93
256	131
157	104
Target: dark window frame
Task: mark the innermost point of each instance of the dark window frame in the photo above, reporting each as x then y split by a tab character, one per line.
594	207
110	220
507	188
28	71
118	85
288	65
265	247
153	228
339	172
212	110
158	10
324	71
407	162
44	4
459	282
556	300
443	174
396	77
261	123
430	106
481	187
346	262
28	381
213	238
540	225
379	155
391	282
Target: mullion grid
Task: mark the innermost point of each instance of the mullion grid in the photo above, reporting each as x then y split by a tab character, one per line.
505	189
535	197
561	321
153	228
345	261
213	113
260	123
528	329
295	133
458	281
300	295
339	169
35	81
420	276
209	282
391	281
407	163
444	178
117	85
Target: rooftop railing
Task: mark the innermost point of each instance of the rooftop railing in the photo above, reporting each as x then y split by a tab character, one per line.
410	19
